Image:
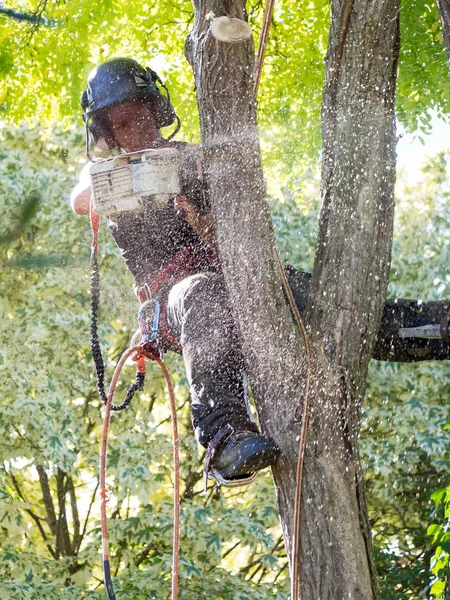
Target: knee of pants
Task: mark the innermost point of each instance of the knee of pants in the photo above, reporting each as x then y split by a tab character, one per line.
198	291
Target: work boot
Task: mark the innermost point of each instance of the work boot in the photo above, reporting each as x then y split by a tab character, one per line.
237	455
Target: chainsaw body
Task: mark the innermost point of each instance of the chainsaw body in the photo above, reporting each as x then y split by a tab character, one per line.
129	182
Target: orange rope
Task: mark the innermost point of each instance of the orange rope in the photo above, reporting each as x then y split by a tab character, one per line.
136	350
176	485
295	571
262	43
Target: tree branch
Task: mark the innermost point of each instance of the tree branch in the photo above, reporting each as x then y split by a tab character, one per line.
75	515
48	500
397	313
83	533
64	546
34	516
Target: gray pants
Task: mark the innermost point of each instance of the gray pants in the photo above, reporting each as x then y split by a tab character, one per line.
199	317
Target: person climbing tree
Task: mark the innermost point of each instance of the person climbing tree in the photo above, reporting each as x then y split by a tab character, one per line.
171	254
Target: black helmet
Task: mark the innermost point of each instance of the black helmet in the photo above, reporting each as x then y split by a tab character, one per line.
120	79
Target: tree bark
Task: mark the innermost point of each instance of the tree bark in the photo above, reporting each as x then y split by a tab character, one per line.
348	288
273	351
349	282
52	521
444	14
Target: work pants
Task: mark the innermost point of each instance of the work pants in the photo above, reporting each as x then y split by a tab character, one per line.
199	317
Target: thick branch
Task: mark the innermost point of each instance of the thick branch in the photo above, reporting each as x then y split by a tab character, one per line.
224	81
88	514
145	552
75	516
63	539
397	313
348	288
48	500
36	518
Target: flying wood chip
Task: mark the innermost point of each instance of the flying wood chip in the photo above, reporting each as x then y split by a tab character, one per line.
230	29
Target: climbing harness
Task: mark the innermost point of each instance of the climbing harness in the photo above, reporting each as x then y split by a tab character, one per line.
149	348
295	572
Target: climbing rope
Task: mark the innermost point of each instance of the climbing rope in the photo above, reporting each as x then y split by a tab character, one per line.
295	571
138	353
262	44
97	352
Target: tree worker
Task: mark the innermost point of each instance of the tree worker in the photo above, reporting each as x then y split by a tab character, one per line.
171	255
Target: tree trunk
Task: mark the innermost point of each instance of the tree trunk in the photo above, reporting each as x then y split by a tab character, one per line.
348	289
444	13
273	351
349	282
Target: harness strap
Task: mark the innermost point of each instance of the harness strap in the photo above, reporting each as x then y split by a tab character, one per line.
185	263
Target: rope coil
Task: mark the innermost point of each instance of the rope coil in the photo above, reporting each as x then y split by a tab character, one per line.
136	351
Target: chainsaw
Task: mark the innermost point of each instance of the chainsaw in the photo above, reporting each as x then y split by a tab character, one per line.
147	180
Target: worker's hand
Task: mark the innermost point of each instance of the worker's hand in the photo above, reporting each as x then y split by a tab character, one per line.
80	197
80	201
204	225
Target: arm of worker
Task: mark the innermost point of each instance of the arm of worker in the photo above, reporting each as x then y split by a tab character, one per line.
193	201
203	224
80	197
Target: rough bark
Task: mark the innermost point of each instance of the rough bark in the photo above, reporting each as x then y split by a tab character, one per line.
350	278
348	288
52	520
223	76
444	14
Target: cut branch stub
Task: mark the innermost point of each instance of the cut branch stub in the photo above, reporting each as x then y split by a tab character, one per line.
230	30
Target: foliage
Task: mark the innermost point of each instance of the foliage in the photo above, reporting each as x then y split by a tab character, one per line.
44	67
405	448
50	417
423	84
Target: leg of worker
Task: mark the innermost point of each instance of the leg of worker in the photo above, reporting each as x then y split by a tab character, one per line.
198	315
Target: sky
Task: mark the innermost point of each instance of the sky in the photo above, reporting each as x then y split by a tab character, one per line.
411	153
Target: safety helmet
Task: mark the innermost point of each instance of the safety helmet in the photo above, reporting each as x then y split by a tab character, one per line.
118	80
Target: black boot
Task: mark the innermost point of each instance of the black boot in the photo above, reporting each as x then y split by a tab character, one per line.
233	457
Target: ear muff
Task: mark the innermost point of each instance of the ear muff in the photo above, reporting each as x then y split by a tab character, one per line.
163	109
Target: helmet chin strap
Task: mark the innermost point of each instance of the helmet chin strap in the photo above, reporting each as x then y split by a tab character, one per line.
177	128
